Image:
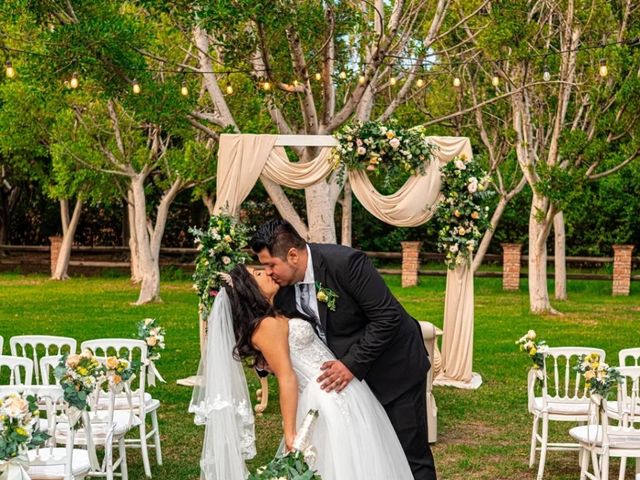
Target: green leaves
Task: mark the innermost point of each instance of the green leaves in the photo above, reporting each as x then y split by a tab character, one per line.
290	467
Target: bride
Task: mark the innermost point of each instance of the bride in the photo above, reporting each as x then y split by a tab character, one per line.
353	435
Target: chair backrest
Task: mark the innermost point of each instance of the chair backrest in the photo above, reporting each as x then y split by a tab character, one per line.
38	346
629	395
132	350
20	370
561	381
47	366
629	357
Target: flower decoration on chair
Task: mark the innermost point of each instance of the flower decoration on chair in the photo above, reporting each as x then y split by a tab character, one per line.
220	248
599	377
119	371
385	150
19	427
79	376
461	214
535	350
150	331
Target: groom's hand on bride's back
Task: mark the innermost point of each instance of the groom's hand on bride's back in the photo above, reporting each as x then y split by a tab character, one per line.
335	376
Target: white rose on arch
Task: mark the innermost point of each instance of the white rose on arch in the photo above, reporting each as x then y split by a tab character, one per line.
460	164
473	185
394	142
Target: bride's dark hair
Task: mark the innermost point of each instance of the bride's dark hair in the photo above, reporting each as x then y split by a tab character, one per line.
249	307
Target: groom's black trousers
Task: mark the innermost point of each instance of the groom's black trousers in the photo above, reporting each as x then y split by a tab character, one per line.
408	415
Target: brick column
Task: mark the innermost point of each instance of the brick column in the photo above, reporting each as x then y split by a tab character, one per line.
410	263
56	243
511	256
622	269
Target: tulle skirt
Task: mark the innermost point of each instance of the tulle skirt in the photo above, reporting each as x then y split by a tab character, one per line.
353	436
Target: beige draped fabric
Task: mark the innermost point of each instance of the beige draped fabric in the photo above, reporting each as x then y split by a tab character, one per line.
242	159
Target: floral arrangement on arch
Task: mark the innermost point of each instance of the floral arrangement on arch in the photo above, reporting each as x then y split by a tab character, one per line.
535	350
599	377
219	250
19	426
387	150
461	215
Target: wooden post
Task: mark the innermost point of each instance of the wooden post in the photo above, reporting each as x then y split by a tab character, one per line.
622	269
56	244
410	263
511	259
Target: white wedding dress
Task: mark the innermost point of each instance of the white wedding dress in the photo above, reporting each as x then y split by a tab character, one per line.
353	436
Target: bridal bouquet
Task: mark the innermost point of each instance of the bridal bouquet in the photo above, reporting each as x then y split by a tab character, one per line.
535	350
599	377
295	465
19	426
79	376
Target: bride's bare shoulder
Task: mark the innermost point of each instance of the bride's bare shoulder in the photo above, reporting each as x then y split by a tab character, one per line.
270	327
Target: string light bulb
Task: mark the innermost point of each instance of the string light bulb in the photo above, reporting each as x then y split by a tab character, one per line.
318	76
420	83
10	71
74	82
343	75
266	86
495	80
184	90
457	82
393	80
362	79
603	70
546	75
136	87
229	89
296	83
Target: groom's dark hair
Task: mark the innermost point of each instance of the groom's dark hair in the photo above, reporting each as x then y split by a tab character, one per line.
277	236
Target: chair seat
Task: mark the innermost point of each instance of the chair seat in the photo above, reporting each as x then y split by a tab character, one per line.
562	408
99	430
80	465
618	438
122	403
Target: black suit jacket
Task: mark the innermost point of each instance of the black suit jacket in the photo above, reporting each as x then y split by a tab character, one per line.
370	332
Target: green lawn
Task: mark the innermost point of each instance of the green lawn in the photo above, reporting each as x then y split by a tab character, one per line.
483	434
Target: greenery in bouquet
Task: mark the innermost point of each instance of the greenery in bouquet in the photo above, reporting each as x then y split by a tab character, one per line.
535	350
79	376
19	426
292	466
150	331
220	248
599	377
388	150
461	215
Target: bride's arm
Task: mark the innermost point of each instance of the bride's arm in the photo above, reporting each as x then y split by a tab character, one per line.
272	339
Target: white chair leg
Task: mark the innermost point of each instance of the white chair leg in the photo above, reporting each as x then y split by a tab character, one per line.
123	459
623	468
143	448
543	446
534	441
584	463
156	436
605	466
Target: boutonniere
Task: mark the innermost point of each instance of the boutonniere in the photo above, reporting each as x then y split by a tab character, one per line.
327	296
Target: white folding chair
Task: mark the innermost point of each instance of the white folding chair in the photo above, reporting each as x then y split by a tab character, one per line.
36	346
51	462
611	434
629	357
562	399
20	370
143	404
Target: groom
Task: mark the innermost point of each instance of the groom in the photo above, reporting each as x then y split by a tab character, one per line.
355	314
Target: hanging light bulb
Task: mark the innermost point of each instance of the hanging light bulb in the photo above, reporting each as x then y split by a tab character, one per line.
456	82
136	87
362	79
603	70
296	83
546	75
495	80
184	90
266	86
393	80
420	83
318	76
229	89
343	75
11	72
74	82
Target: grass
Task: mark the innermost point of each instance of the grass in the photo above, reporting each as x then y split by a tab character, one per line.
483	434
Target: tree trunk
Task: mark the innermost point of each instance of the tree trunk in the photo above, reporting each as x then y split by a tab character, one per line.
538	234
488	234
209	202
560	259
320	211
149	268
136	276
69	228
347	209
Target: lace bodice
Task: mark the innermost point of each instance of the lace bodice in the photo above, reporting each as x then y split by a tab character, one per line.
307	351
